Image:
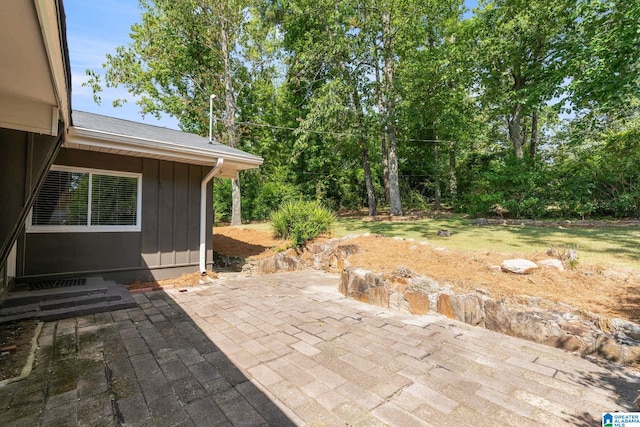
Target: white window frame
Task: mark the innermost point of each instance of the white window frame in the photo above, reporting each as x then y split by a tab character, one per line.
88	228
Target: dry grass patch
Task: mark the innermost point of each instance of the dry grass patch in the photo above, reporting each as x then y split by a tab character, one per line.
187	280
606	290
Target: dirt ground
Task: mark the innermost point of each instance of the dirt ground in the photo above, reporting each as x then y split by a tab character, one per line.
15	346
605	291
229	241
184	281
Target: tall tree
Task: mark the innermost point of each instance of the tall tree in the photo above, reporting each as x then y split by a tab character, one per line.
181	53
436	111
515	45
328	62
389	38
603	54
367	40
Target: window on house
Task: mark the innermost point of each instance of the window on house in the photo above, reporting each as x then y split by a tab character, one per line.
87	200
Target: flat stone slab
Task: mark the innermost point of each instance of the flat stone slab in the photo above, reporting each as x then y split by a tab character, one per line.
518	266
288	349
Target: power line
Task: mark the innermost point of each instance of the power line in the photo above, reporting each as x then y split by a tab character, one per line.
336	134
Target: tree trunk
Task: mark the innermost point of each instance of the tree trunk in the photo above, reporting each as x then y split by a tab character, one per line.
383	137
230	122
371	194
390	104
236	213
394	183
385	164
533	144
515	130
436	176
453	179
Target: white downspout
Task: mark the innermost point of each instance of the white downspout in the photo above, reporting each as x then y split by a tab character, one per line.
203	214
211	98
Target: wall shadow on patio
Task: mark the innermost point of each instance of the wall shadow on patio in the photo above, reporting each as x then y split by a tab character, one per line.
613	380
209	386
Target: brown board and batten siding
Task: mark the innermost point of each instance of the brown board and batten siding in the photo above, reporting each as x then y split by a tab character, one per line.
167	245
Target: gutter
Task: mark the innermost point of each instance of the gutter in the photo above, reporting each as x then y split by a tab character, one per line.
203	214
97	138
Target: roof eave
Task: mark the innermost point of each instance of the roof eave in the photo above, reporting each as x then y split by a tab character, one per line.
83	137
51	16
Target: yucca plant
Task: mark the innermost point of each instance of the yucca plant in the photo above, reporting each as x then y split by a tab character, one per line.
301	221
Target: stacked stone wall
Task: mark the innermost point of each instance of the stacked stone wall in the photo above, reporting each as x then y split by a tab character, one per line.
556	325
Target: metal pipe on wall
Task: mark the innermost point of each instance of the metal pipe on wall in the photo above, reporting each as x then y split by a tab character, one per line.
203	214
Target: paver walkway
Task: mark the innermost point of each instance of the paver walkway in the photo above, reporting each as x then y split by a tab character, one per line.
288	349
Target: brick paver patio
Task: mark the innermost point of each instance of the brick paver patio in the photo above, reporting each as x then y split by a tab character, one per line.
288	349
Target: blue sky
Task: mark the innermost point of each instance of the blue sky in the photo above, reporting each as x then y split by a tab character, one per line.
94	29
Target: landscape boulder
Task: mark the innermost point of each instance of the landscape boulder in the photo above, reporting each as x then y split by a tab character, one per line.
551	263
518	266
418	302
480	221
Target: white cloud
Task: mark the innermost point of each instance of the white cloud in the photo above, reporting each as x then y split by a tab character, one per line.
89	52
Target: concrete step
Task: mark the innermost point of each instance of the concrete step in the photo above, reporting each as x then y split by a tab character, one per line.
95	296
43	296
78	301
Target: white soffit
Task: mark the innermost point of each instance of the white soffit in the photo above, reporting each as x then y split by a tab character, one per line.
33	89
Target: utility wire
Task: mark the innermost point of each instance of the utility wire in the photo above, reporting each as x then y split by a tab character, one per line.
337	134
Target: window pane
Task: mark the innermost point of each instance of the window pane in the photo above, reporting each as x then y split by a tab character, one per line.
114	200
63	199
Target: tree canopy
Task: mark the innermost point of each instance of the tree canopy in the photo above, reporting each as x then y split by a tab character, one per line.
520	108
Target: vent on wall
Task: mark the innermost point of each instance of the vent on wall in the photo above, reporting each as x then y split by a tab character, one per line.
57	283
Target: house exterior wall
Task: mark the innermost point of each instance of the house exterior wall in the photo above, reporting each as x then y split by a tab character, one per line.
25	159
166	246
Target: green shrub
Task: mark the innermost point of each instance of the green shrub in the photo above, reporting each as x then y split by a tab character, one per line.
414	200
301	221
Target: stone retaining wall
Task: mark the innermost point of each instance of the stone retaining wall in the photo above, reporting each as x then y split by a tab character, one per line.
554	324
327	256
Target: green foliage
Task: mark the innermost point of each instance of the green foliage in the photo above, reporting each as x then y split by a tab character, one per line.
414	200
263	193
301	221
600	179
512	47
322	89
221	201
603	59
509	188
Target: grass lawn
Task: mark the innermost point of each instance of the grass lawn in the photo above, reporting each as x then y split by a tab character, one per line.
612	247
